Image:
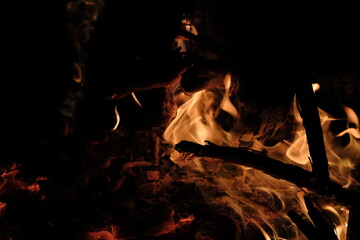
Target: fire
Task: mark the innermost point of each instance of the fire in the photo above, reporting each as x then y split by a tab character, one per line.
226	104
316	87
353	124
195	120
259	200
117	116
136	99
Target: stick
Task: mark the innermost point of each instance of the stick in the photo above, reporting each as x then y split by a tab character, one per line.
311	120
274	168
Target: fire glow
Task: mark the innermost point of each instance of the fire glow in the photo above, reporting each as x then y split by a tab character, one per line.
259	200
238	160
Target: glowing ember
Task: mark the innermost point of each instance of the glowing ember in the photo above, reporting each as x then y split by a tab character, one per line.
78	73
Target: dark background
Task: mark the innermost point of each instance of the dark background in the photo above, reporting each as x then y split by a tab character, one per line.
273	47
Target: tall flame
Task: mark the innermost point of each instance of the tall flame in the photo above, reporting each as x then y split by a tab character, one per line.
196	120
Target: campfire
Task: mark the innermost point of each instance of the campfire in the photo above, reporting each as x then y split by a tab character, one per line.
197	120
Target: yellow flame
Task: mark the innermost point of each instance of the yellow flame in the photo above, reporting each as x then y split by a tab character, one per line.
352	118
315	87
117	115
351	115
136	99
226	104
195	120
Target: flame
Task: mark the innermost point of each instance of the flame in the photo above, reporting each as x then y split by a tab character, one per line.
244	189
196	121
339	215
315	87
136	99
352	120
117	116
226	104
255	197
193	125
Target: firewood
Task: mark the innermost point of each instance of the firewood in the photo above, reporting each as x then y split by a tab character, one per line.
279	170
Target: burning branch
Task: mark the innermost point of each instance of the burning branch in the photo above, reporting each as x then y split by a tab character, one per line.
274	168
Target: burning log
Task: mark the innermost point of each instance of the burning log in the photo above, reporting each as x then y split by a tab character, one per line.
291	173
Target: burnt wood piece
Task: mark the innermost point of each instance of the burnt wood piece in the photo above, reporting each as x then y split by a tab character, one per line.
311	121
274	168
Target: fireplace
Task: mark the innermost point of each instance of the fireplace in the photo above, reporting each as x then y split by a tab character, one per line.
194	120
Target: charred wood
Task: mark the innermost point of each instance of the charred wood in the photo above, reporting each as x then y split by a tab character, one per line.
274	168
311	120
